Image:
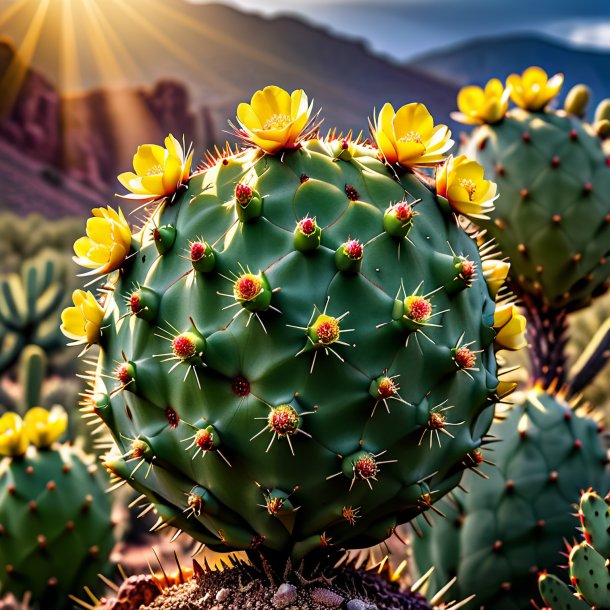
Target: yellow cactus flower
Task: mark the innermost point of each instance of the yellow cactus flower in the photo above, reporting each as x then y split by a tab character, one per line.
83	321
533	90
274	119
495	273
159	171
44	427
461	181
408	136
509	325
13	439
107	243
479	105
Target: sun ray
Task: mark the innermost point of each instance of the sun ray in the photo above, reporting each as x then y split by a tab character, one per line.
11	82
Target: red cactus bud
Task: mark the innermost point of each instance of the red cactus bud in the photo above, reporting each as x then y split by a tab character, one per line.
123	374
307	225
354	249
386	387
418	308
184	347
198	251
283	420
243	194
135	303
240	386
172	417
465	358
204	439
351	192
365	467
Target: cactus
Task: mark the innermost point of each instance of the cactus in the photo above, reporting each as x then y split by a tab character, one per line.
30	305
55	525
552	171
297	355
510	525
588	562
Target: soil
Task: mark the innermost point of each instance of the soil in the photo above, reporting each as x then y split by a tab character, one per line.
245	588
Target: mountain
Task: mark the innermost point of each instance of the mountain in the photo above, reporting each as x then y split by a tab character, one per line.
91	135
479	60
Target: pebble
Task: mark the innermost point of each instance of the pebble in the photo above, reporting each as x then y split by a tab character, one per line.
285	595
222	595
358	604
326	597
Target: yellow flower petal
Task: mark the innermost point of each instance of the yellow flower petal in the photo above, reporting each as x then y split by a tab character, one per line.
44	427
82	323
274	119
533	90
408	136
13	440
510	327
482	105
159	171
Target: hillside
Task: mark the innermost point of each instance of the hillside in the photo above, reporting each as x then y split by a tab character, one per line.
479	60
225	55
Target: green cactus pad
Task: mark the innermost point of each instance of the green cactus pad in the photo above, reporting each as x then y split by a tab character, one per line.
557	595
55	528
510	526
553	214
295	335
590	575
594	516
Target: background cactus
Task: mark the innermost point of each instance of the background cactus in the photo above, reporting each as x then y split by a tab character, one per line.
299	354
30	304
55	525
552	219
588	562
510	525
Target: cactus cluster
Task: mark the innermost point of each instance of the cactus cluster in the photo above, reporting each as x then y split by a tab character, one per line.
552	218
55	526
297	348
510	524
30	305
587	562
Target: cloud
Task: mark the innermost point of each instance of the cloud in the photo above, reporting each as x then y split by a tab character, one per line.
593	34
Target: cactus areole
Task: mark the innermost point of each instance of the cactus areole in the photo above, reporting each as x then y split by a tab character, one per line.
251	381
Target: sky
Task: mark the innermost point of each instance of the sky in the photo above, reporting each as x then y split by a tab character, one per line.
403	29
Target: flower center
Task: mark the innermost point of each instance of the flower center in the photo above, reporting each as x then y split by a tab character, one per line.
366	467
154	170
284	420
184	347
277	121
247	287
411	136
469	186
418	308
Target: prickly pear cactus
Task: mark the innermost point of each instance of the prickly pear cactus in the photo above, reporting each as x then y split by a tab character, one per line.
510	525
55	525
552	218
588	561
297	353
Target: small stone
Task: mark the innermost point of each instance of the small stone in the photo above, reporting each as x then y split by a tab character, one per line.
223	595
358	604
326	597
285	595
